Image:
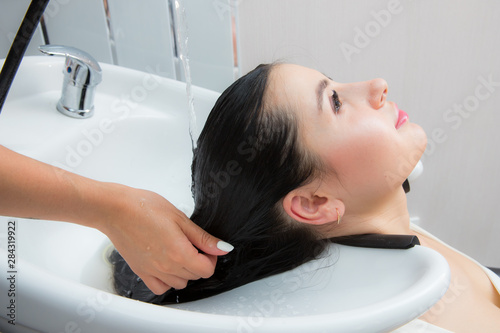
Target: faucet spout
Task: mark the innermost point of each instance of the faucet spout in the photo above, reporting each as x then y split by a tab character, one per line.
82	74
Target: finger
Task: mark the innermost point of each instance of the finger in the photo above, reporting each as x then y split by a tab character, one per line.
188	275
173	281
204	241
211	259
199	263
157	286
160	284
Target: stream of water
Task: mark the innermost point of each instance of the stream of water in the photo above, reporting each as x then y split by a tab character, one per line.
181	30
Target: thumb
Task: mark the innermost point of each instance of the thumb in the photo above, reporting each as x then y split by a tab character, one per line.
204	241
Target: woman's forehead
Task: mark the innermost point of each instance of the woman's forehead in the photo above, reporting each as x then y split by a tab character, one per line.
294	85
295	73
288	78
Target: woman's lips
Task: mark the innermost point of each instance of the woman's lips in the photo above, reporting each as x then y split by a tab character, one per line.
402	118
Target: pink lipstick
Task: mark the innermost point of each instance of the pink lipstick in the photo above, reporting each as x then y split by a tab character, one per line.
402	118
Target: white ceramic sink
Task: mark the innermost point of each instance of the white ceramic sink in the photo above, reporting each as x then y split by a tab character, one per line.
139	137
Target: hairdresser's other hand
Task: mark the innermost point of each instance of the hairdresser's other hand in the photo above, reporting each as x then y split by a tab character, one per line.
158	242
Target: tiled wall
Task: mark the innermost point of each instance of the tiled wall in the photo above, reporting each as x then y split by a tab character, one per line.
138	34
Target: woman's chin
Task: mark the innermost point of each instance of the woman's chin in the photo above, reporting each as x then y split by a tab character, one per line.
418	140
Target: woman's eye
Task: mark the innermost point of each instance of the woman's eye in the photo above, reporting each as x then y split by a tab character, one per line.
336	103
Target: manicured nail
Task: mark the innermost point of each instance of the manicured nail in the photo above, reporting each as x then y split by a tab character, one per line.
226	247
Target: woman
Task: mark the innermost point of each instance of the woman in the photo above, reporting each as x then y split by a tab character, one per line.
288	159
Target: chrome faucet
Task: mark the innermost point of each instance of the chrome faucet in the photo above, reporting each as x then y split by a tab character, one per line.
82	74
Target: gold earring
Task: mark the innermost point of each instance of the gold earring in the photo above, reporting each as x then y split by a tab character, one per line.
338	216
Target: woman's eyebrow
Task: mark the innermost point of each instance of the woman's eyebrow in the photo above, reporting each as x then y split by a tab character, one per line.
320	89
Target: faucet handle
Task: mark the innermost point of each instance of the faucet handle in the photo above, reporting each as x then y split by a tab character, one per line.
81	74
74	58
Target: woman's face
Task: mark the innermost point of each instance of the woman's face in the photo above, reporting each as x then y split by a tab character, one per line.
368	145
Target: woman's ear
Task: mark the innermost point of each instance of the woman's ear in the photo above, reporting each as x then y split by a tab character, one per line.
308	207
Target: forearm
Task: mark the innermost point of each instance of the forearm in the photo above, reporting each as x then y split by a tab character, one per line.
157	240
32	189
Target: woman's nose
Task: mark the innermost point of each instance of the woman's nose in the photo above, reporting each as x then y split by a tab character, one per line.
377	92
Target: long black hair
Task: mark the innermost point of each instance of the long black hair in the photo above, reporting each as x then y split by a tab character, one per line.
248	157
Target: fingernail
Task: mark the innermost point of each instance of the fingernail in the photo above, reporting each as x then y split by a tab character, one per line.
226	247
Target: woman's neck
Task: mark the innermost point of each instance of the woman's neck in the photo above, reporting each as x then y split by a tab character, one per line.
390	217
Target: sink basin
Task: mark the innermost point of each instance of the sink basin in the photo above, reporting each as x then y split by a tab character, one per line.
139	137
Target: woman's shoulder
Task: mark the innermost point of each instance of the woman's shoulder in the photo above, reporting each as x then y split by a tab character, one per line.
473	291
495	279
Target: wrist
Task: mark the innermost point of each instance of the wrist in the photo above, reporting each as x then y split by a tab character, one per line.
102	205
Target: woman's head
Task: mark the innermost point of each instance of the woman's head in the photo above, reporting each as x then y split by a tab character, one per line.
266	172
354	132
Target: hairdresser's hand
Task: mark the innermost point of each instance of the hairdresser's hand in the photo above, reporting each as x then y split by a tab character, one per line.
156	239
153	236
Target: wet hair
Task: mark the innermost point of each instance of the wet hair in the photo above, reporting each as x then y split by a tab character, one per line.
248	157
